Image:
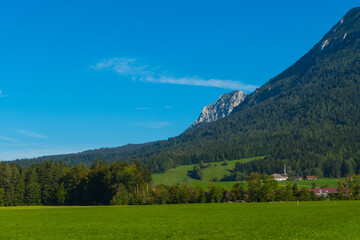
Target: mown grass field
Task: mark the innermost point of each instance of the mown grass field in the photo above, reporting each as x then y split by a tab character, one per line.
179	176
311	220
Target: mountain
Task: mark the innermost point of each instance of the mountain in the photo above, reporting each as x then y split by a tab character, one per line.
337	42
219	109
307	117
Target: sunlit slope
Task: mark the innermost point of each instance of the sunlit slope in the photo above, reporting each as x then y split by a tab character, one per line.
180	175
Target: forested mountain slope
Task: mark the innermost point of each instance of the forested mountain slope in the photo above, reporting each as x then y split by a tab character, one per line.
306	117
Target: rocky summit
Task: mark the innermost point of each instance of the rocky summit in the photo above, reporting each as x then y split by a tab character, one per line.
219	109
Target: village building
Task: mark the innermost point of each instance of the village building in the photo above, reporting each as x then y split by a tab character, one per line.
311	178
297	178
324	191
280	177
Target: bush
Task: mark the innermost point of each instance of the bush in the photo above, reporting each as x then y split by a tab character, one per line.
121	197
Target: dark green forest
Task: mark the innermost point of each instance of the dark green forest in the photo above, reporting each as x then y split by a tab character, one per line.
50	183
307	117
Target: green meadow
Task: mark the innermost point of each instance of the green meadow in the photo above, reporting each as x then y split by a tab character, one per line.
330	182
179	176
309	220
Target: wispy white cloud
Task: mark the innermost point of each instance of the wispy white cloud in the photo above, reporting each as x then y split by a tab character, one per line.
8	139
29	133
131	67
124	66
152	125
194	81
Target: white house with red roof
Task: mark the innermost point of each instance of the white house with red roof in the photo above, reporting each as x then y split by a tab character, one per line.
324	191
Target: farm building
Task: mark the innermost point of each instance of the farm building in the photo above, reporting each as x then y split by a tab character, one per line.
279	177
297	178
324	191
311	178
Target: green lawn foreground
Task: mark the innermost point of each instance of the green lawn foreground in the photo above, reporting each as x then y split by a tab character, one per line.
311	220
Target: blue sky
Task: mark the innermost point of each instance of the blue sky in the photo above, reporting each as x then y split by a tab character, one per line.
77	75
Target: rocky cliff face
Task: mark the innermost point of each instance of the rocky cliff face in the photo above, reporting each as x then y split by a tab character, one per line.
219	109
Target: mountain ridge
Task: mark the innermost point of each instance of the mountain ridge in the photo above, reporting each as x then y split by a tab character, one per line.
339	32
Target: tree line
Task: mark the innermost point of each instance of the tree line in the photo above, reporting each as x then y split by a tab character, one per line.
257	188
52	183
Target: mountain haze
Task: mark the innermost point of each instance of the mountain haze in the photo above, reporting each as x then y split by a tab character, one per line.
307	117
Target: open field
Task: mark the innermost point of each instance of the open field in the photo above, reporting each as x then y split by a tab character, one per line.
331	182
179	175
311	220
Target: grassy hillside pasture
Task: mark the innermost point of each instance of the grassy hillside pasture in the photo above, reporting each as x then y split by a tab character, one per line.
311	220
179	175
